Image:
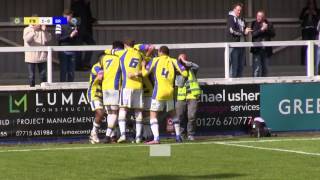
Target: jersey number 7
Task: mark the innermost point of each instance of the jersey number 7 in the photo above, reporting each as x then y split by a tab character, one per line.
108	63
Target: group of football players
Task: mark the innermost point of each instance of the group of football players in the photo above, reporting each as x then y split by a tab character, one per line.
132	77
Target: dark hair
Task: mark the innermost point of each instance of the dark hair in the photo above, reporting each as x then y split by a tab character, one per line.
67	12
237	4
164	50
129	42
117	45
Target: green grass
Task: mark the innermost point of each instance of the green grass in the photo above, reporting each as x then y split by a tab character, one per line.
187	161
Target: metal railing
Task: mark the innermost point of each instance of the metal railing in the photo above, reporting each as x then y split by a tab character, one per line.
226	46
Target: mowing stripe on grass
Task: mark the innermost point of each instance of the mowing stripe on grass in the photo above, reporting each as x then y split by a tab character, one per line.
269	149
233	143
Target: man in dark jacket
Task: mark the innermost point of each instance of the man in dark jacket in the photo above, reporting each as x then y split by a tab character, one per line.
81	9
67	35
236	30
262	31
309	17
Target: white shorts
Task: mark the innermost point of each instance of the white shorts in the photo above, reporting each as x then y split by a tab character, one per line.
111	97
131	98
157	105
95	105
146	103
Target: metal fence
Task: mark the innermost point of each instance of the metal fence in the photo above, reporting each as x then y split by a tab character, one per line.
310	51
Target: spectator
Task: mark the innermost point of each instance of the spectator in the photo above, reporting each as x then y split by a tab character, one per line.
82	10
187	97
309	18
36	35
67	35
236	30
262	31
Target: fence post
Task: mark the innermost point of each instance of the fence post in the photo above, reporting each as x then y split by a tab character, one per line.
49	65
226	61
310	59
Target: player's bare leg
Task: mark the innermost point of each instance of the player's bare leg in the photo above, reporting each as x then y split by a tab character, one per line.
99	115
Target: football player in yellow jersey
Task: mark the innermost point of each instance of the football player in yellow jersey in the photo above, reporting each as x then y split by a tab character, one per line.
94	96
111	84
131	95
147	53
163	68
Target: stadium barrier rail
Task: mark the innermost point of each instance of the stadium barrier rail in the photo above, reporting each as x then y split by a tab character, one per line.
310	76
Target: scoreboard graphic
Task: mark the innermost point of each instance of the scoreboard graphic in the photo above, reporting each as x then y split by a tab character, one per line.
43	20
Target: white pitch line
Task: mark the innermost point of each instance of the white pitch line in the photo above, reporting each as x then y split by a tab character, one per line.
269	149
273	140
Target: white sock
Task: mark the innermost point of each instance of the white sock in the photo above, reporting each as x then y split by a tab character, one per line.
154	128
122	126
111	119
176	124
138	129
95	127
109	132
113	134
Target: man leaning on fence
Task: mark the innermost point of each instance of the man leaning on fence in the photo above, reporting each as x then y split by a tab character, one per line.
262	31
36	35
67	35
236	32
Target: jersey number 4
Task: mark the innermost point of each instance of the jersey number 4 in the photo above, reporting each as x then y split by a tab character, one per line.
134	62
165	73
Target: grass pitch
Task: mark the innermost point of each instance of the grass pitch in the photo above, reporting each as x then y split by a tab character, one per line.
268	158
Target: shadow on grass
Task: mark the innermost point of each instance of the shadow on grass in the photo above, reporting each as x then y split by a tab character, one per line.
187	177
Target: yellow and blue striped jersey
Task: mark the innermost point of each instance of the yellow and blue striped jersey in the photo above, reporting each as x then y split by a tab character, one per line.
148	80
111	72
94	92
130	62
163	69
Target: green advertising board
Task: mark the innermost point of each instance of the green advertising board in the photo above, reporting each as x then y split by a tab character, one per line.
291	107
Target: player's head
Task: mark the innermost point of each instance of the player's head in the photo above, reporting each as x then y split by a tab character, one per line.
67	13
129	43
163	50
117	45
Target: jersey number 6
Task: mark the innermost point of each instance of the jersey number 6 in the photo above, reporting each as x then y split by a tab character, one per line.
134	62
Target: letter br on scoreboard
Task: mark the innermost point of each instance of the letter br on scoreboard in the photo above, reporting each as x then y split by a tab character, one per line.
291	107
